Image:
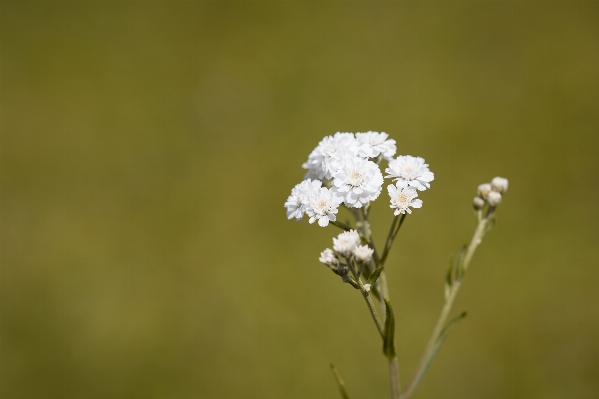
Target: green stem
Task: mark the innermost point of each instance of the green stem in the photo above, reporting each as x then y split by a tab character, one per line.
367	298
394	378
384	291
391	236
429	352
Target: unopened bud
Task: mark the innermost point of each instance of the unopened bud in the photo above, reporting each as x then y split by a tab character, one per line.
494	198
329	258
478	203
499	184
484	190
363	253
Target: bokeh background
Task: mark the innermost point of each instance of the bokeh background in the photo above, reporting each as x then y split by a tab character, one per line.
147	148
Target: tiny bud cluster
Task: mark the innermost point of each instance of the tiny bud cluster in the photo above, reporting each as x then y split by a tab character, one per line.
490	193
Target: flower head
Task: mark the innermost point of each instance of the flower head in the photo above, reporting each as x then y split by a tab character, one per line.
478	203
363	253
484	190
299	200
402	198
346	242
358	180
494	198
323	206
409	171
499	184
373	144
329	258
327	155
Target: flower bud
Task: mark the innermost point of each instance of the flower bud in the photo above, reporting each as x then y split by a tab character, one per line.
328	258
494	198
478	203
363	253
499	184
484	190
346	242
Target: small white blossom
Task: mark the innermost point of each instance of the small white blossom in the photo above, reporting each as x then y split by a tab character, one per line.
494	198
373	144
363	253
402	198
367	287
327	155
484	190
478	203
410	171
323	206
328	258
299	200
499	184
358	180
346	242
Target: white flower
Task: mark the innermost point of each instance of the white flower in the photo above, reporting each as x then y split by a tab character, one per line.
346	242
494	198
358	180
410	171
484	190
373	144
367	287
402	198
331	150
363	253
499	184
323	206
299	200
329	258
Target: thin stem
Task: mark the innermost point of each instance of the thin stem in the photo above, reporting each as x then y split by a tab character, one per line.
394	378
428	352
391	236
384	291
341	225
421	368
367	298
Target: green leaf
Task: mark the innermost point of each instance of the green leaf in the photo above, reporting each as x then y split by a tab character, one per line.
375	275
440	339
389	331
340	382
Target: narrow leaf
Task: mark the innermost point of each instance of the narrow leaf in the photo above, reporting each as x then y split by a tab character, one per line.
340	382
442	337
389	331
375	275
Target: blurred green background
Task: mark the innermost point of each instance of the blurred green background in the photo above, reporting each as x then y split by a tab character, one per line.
147	149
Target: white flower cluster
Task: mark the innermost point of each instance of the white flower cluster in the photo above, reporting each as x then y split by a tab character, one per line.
344	169
490	193
346	244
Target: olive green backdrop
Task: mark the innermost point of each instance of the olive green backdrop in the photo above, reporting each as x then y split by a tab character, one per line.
147	149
